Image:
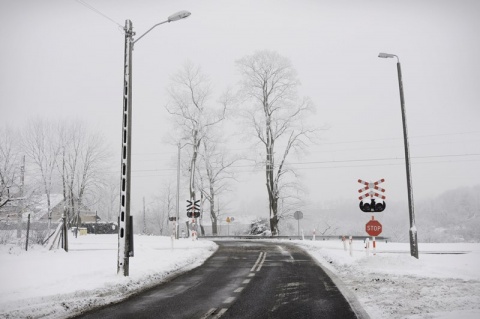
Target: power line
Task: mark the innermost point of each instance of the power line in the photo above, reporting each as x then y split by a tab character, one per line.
338	162
324	167
89	6
345	142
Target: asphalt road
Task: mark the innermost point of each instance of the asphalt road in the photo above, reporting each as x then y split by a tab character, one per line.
243	279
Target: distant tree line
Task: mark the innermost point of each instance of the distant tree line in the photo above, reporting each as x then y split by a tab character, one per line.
48	157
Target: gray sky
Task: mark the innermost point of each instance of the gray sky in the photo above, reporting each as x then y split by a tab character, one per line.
62	60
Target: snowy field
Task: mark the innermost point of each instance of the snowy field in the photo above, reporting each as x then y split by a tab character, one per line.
391	284
57	284
441	284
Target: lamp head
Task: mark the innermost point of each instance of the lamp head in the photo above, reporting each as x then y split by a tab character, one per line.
179	15
386	55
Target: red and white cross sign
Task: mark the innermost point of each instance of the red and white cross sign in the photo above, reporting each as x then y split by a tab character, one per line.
371	186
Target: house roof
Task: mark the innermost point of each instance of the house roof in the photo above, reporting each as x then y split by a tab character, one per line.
40	206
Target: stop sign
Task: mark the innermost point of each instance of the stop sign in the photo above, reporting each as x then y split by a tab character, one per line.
373	227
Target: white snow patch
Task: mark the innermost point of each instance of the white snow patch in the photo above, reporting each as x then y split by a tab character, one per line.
392	284
57	284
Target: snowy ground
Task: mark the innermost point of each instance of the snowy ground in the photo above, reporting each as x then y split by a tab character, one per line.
391	284
56	284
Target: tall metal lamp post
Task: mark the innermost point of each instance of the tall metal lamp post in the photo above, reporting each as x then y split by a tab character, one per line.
125	229
413	228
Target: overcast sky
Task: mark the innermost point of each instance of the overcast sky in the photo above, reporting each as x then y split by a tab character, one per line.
60	59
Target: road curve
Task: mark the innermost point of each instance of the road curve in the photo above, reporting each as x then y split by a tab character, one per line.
243	279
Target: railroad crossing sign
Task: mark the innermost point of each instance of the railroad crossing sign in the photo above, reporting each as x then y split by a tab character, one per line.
373	227
369	188
193	208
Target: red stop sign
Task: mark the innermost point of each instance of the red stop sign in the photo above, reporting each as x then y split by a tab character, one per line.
373	228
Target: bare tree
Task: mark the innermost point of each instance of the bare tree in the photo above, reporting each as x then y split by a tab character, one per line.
82	161
9	163
162	207
215	175
276	115
41	146
109	199
190	102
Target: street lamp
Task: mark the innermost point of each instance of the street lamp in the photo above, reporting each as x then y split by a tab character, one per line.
413	228
125	229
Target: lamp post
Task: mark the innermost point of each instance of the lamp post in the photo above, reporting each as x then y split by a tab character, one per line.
413	228
125	227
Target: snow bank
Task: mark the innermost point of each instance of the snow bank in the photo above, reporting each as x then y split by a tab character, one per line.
443	283
57	284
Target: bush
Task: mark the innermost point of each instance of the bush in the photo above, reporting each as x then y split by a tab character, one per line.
260	227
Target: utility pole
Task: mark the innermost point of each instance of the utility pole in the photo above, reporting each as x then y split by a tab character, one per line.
124	218
20	199
178	194
22	177
144	218
411	211
125	226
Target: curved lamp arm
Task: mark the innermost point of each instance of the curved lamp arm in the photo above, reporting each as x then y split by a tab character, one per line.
174	17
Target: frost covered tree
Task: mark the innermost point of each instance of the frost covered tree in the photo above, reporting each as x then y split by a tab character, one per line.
275	114
215	174
82	159
9	162
41	145
195	111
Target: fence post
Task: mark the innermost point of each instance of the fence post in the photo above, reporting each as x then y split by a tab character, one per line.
28	232
351	245
64	232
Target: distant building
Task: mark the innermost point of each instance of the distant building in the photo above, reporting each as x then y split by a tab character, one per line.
37	207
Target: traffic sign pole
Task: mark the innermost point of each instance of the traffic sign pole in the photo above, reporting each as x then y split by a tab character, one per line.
298	215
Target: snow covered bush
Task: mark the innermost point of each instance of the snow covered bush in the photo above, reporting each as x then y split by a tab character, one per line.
260	227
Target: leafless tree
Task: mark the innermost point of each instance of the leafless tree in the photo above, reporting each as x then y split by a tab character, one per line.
9	162
109	199
191	104
215	174
276	115
162	207
41	146
82	161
